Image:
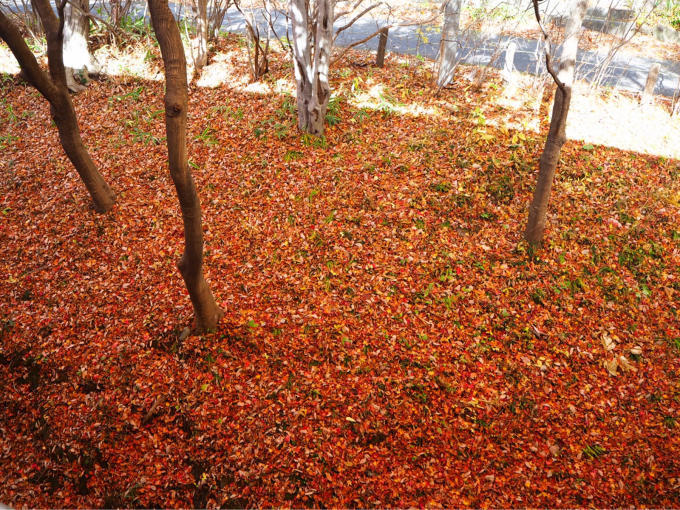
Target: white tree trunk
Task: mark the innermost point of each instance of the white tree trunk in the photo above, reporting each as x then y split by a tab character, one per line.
572	32
652	78
77	57
311	60
508	72
199	43
449	47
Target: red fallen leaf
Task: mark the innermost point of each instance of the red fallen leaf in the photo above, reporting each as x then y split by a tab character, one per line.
446	388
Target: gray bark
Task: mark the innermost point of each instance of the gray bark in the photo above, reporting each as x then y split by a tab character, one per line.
199	42
311	60
382	46
449	45
78	61
508	71
652	78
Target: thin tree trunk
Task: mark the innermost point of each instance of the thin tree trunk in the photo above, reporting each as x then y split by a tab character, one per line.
301	60
557	132
652	78
77	57
547	166
53	88
321	90
449	46
382	46
69	135
199	44
206	312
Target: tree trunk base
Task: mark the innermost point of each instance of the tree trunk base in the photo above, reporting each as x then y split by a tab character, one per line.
71	83
207	324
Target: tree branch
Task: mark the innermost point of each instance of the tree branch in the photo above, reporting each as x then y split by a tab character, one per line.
546	38
353	20
36	76
377	33
60	10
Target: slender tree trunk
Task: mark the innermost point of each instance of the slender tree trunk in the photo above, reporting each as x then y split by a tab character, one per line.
53	88
69	135
321	90
652	78
77	56
547	166
206	311
382	46
557	132
449	46
311	60
199	44
302	52
116	12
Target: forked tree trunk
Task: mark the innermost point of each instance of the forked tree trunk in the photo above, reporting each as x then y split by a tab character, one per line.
206	311
77	57
199	43
449	47
53	88
558	123
311	60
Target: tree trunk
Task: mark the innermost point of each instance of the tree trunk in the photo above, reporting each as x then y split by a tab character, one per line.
449	46
382	46
311	60
547	166
206	311
77	57
508	72
199	44
321	90
69	135
53	88
116	13
652	78
301	59
558	123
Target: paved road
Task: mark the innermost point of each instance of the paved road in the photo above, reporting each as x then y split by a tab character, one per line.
624	72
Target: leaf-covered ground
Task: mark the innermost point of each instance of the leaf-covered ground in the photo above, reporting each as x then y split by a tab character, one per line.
388	339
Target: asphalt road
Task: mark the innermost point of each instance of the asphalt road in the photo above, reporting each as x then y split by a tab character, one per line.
624	71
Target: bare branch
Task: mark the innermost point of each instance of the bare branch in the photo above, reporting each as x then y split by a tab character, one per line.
353	20
348	11
377	33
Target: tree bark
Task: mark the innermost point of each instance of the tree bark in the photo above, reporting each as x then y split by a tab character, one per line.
311	60
53	88
557	132
449	46
206	312
652	78
199	43
382	46
77	56
508	72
